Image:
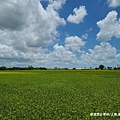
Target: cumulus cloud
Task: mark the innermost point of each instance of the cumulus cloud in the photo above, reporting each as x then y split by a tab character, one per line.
60	54
74	43
109	27
65	55
113	3
59	57
56	4
25	25
12	15
103	53
7	52
28	24
78	16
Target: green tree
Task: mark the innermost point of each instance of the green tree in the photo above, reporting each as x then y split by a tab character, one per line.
74	68
30	67
101	67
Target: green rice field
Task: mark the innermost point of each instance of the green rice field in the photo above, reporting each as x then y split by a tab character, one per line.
60	95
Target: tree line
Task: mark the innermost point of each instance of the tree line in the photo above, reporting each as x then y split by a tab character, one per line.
102	67
30	67
23	68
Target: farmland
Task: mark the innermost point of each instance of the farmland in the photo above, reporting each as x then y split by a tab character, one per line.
59	94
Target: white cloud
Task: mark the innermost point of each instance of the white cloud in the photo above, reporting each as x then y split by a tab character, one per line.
85	36
56	4
61	57
113	3
109	27
74	43
12	15
65	55
25	26
7	52
78	16
101	54
61	54
29	24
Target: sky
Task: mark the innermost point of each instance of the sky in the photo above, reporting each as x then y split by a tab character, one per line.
59	33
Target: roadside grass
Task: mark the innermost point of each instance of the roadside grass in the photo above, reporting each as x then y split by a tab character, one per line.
59	94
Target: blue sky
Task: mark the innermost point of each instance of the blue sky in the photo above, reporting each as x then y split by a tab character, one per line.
60	33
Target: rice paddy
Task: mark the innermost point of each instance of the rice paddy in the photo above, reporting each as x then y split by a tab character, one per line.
60	95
